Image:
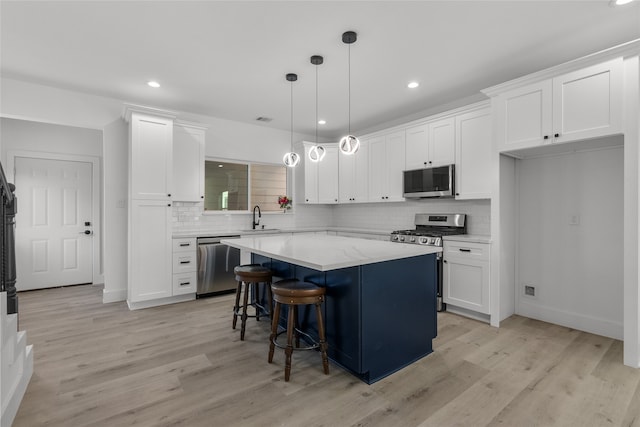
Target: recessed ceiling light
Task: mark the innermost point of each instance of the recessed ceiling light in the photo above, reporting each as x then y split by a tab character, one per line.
219	166
413	85
619	2
322	122
153	84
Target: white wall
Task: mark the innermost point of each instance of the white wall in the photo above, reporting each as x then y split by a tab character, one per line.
577	269
115	148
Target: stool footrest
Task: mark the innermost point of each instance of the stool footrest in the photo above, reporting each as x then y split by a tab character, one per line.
312	346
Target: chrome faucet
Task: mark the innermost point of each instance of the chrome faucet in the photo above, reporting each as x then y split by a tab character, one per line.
254	223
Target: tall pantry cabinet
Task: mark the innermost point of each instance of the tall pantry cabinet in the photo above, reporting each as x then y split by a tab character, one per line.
151	169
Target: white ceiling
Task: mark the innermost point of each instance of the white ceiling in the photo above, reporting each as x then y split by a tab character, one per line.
229	59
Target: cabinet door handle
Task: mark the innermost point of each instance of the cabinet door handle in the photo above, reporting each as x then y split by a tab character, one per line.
557	135
168	195
464	250
185	244
445	261
169	204
202	197
189	262
546	137
185	283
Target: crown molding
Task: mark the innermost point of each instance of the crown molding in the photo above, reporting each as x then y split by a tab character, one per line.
631	48
133	108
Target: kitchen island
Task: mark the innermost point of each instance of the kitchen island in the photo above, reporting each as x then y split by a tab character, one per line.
380	308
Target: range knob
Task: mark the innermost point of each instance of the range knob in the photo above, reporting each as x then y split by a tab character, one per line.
413	239
424	240
402	238
437	241
394	238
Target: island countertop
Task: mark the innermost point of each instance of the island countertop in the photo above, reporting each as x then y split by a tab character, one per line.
325	253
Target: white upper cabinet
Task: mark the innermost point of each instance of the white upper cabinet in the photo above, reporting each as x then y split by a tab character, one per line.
151	154
386	164
353	175
578	105
188	163
588	103
328	175
430	144
473	155
306	175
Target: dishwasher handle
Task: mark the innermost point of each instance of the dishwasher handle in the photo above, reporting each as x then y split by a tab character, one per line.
214	239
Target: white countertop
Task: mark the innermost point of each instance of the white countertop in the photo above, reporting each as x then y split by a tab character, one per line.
470	238
324	253
223	233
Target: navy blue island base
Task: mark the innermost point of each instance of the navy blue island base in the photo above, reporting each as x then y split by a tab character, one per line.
379	317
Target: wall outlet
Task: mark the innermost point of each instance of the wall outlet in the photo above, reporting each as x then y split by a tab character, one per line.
574	220
530	290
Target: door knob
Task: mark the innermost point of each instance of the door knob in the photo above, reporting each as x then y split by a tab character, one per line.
88	232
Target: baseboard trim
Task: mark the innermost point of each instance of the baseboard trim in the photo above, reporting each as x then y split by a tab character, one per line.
468	313
113	295
160	301
581	322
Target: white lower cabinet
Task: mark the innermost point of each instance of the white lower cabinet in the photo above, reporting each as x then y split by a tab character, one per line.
467	275
149	251
185	273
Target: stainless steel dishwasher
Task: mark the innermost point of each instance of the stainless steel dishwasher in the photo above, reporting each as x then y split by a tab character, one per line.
216	262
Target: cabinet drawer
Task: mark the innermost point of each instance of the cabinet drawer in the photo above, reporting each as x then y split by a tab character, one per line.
185	283
468	251
184	262
184	245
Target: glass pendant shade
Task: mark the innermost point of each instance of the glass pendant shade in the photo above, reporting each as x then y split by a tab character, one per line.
317	153
291	159
349	145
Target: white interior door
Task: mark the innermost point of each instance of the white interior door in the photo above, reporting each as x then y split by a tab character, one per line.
54	208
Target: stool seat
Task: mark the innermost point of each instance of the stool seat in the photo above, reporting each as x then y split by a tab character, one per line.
251	275
296	288
292	293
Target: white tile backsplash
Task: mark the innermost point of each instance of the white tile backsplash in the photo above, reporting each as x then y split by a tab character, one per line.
401	215
374	216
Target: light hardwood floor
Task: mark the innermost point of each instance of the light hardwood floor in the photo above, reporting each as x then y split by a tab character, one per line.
103	365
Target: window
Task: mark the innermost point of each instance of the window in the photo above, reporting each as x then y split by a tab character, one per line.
237	186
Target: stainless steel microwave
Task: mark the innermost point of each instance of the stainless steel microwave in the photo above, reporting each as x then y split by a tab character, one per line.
429	182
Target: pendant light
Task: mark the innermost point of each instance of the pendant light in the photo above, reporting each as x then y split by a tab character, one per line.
349	144
317	152
291	159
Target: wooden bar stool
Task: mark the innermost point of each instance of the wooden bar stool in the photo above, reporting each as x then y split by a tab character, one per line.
251	275
293	292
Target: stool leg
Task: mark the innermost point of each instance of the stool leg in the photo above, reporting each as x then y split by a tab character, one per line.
236	307
323	342
270	297
244	311
274	331
289	349
256	295
296	326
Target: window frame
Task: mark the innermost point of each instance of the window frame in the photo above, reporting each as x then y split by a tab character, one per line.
289	184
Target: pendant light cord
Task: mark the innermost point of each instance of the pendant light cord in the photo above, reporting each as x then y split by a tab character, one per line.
316	105
349	50
291	116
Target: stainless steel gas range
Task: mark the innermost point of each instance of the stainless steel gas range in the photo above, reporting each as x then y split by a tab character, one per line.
430	228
